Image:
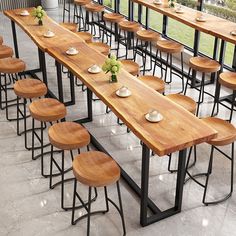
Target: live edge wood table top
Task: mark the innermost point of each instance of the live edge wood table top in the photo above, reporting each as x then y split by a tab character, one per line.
213	25
30	26
178	130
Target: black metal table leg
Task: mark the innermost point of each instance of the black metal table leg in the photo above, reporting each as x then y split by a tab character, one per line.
13	26
59	82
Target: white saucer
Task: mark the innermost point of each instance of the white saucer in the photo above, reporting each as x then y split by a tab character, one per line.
180	11
94	72
157	3
200	19
49	36
24	13
233	32
158	119
123	96
72	54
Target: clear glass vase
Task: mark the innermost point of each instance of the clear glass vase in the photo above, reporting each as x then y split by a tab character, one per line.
113	78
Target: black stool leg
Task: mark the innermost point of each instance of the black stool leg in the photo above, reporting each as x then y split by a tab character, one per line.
89	210
188	78
121	208
232	107
201	93
216	99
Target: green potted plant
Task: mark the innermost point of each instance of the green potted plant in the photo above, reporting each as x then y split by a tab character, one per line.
39	13
113	66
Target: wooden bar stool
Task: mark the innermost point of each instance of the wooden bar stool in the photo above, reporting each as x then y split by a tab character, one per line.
66	136
9	70
228	80
226	136
27	89
79	14
5	51
169	48
70	26
100	47
130	66
1	40
96	169
203	65
127	29
113	19
153	82
92	10
146	38
86	36
44	110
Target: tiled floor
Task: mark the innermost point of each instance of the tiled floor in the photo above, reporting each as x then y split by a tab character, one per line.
28	207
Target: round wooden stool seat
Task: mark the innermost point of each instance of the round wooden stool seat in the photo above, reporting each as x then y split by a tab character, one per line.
153	82
100	47
11	65
130	66
47	110
81	2
148	35
169	46
130	26
70	26
113	17
226	131
184	101
94	7
68	136
228	79
30	88
1	40
5	51
95	169
86	36
204	64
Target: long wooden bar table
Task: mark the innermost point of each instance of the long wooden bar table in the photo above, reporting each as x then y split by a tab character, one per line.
177	131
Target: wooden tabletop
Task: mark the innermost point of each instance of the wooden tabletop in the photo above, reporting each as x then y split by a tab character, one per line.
213	25
30	26
178	130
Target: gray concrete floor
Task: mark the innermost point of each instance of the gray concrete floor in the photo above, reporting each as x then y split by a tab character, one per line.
29	208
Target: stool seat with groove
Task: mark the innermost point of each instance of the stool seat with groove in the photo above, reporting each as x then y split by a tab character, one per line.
130	26
68	136
226	131
30	88
94	7
5	51
96	169
228	79
130	66
47	110
11	65
113	17
100	47
148	35
204	64
169	46
1	40
184	101
86	36
81	2
153	82
70	26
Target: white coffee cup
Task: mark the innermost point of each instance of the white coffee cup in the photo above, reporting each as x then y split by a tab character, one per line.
72	50
123	91
153	114
49	33
157	1
94	68
25	12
